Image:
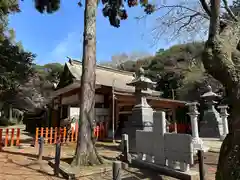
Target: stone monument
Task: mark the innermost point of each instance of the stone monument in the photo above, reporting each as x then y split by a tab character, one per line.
211	125
142	113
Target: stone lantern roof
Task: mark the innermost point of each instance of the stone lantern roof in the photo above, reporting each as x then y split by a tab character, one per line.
210	93
140	81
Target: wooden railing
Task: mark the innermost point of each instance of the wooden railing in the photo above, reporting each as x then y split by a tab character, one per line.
51	135
9	137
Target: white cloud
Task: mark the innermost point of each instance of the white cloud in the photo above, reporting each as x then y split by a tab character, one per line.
69	46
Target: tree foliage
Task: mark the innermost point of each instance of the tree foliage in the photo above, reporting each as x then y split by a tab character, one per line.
177	70
114	10
15	65
6	7
15	62
49	72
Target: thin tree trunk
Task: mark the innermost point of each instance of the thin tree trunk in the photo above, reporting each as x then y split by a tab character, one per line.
86	153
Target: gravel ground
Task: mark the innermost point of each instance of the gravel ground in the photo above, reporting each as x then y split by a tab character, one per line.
21	164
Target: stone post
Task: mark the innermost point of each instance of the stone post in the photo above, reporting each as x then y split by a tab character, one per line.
193	113
224	115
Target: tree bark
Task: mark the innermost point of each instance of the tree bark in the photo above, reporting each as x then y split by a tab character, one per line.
86	153
220	59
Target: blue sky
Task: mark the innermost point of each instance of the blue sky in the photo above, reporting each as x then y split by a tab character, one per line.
55	36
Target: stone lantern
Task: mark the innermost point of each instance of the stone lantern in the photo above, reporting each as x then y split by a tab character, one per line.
211	125
142	113
141	84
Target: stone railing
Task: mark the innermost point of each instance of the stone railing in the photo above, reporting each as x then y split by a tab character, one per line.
163	148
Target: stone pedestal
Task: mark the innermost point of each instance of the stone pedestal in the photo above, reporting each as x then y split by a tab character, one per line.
141	119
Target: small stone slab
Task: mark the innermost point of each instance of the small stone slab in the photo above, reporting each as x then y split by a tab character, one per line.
164	170
64	168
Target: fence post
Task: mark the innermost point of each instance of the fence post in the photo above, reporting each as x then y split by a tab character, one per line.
201	164
12	137
55	135
116	169
6	138
40	152
64	134
46	135
36	137
42	132
57	158
18	137
1	140
60	134
76	133
72	135
51	135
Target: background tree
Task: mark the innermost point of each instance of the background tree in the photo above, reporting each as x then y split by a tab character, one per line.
15	64
49	72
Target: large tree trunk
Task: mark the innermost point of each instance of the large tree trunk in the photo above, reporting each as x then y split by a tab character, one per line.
86	153
221	59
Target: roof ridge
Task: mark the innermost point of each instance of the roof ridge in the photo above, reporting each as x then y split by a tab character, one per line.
74	61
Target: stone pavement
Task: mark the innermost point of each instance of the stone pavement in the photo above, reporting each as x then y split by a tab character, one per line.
213	143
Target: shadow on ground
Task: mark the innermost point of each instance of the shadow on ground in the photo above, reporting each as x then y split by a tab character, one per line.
108	146
33	165
143	174
31	156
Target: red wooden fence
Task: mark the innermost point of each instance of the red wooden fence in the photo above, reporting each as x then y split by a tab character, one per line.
9	137
51	135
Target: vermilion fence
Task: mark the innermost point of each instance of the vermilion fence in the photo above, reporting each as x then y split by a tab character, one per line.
9	137
51	135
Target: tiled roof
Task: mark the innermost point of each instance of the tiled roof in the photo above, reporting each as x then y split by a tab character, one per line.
106	76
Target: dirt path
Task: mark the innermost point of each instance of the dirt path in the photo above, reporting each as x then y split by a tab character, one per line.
21	164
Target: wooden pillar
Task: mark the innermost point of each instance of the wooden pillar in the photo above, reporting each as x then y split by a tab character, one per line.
68	114
59	110
10	113
116	115
174	118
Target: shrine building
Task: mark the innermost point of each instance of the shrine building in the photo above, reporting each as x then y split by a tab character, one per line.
114	99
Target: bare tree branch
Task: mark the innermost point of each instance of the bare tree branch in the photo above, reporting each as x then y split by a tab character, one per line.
183	21
175	7
206	7
180	21
215	19
188	22
229	11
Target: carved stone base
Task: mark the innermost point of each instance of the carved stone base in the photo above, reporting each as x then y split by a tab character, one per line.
141	119
197	143
211	127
